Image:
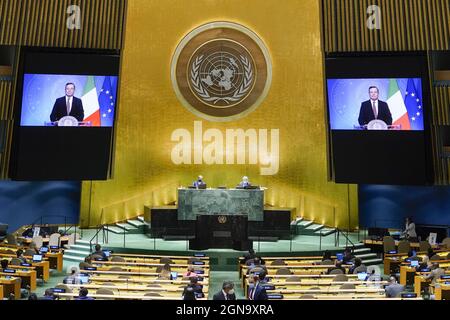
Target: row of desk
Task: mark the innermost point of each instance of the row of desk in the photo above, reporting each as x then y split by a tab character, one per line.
393	261
138	279
24	276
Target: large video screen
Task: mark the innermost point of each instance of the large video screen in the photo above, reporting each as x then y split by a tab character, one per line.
66	101
377	104
378	108
52	100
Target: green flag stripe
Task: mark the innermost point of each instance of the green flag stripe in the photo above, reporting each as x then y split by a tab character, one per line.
393	87
90	84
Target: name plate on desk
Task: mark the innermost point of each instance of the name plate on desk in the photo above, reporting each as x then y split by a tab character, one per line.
221	202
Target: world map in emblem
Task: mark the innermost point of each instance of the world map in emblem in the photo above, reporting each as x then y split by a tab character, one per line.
221	71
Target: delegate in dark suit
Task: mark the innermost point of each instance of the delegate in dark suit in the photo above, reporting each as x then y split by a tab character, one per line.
258	292
221	296
366	113
60	109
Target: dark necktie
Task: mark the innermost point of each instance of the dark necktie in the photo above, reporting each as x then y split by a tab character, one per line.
68	106
252	293
374	108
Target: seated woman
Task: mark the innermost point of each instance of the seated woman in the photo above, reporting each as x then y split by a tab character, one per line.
165	273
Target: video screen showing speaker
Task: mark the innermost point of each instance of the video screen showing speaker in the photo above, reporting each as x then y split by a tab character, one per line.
375	104
68	100
378	108
65	108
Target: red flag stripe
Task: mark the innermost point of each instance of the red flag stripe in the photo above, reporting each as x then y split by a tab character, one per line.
94	118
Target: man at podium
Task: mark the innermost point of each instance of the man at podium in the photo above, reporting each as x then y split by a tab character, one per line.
68	105
244	183
374	109
199	183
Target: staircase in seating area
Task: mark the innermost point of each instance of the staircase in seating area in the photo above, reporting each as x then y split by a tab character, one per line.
366	255
310	228
132	226
306	227
77	252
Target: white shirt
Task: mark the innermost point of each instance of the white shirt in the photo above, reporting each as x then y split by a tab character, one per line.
69	99
376	105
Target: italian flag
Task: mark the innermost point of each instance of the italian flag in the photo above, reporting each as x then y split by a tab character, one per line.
90	102
397	106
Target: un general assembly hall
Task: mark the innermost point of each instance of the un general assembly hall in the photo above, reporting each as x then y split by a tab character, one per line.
265	154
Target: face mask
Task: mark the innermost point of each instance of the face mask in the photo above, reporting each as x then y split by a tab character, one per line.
231	291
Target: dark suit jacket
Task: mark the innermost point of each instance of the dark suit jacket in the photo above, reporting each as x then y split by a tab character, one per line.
366	113
60	109
260	293
220	296
196	288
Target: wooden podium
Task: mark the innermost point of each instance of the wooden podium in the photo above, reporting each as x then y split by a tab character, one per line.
221	231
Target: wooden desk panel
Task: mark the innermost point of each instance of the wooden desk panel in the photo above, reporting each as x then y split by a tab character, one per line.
28	278
442	292
11	285
56	260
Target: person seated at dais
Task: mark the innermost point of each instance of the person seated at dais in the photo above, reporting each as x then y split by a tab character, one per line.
245	182
199	183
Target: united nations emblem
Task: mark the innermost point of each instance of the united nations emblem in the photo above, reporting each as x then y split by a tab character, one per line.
221	71
222	219
68	121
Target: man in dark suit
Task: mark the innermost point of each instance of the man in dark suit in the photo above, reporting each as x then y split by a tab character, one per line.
193	283
68	105
227	292
199	183
257	291
374	109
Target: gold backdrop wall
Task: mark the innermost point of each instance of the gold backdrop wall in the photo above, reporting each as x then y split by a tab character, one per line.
149	112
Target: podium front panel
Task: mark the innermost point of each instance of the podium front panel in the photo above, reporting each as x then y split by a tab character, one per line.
245	202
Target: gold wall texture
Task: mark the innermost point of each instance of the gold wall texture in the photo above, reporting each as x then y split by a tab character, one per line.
149	112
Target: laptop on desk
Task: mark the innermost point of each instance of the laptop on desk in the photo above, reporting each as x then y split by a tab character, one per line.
43	250
37	257
84	278
362	276
414	263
